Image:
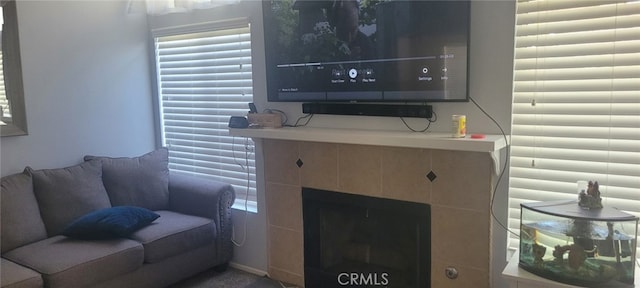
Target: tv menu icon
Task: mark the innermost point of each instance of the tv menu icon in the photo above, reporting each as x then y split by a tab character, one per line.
353	73
423	74
368	72
338	76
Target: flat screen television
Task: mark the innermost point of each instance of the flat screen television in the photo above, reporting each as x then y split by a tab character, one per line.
366	50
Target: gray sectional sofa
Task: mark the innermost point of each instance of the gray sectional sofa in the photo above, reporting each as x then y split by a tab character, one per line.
191	234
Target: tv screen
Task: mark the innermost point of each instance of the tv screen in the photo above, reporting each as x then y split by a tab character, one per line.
366	50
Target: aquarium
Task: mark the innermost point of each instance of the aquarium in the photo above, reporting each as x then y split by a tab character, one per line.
565	242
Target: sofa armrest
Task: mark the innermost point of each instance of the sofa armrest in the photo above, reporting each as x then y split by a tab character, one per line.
205	198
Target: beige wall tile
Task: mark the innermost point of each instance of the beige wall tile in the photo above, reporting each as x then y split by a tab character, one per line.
320	168
280	161
463	179
286	277
359	169
286	250
284	206
404	173
460	236
467	277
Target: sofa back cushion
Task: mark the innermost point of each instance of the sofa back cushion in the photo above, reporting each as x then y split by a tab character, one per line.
65	194
20	221
138	181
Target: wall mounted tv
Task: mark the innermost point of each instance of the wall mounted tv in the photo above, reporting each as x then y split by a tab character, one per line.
366	50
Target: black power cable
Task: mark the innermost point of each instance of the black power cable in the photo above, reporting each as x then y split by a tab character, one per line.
434	116
504	168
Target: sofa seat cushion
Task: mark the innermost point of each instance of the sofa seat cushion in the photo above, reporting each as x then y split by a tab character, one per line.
13	275
67	262
174	233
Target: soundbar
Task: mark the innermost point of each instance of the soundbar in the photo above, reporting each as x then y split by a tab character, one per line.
392	110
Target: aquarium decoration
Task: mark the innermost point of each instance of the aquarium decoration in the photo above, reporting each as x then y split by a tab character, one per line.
565	242
591	199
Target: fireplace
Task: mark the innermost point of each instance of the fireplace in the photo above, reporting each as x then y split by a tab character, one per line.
460	220
361	241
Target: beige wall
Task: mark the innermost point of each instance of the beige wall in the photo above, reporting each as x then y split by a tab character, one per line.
459	197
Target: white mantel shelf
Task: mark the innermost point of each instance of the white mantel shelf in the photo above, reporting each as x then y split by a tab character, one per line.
443	141
491	144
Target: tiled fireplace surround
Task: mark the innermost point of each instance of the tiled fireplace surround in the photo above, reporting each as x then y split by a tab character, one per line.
459	197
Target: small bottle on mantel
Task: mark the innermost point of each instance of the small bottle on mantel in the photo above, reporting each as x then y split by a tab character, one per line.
459	126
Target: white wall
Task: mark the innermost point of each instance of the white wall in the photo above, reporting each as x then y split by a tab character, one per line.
86	83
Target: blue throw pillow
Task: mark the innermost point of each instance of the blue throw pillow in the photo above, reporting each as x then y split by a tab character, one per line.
114	222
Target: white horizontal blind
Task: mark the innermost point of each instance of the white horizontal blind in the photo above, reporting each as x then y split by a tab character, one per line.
203	79
4	102
576	103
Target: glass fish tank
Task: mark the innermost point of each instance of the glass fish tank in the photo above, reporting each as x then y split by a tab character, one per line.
564	242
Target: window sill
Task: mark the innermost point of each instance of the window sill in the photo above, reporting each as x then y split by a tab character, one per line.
251	206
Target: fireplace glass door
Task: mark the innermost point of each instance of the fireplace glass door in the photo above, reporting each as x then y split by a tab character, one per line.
359	241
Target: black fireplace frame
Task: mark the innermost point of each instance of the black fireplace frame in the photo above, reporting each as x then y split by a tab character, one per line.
417	214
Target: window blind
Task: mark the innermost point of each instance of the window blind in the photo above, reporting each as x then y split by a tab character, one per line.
204	78
4	102
576	103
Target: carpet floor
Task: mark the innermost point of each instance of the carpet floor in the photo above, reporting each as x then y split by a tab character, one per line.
232	278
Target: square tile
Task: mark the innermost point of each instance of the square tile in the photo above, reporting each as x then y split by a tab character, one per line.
280	161
464	179
286	250
286	276
467	276
359	169
320	168
460	236
284	206
404	173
